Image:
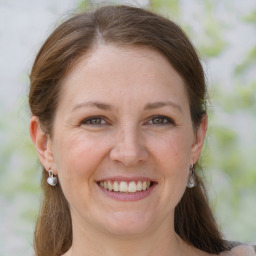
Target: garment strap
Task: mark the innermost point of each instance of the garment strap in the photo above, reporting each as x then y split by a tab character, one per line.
232	244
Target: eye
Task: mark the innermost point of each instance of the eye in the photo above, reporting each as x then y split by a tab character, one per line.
160	120
96	120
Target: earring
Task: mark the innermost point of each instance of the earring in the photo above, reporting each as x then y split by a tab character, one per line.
52	180
191	177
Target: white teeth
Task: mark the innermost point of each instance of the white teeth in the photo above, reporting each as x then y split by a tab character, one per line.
116	186
125	187
110	186
139	186
132	187
144	185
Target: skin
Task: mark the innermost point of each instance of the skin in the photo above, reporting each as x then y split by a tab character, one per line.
127	140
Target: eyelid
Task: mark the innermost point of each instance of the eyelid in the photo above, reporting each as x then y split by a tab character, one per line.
83	122
170	121
167	120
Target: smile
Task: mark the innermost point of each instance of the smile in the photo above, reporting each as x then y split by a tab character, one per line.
125	187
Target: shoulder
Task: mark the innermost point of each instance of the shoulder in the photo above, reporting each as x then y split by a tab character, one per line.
240	250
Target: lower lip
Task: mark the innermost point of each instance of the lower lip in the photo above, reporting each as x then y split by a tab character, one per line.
121	196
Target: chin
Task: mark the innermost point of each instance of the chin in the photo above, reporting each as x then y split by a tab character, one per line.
126	230
128	224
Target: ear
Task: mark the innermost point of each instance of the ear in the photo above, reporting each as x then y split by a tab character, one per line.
43	144
199	140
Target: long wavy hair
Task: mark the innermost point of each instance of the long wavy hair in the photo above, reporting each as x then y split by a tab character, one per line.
121	26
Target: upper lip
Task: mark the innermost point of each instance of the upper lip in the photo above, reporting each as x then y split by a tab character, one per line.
127	179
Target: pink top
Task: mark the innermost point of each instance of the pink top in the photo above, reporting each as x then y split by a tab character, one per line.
242	250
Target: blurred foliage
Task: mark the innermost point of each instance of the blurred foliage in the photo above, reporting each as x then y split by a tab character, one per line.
169	8
251	17
19	181
247	63
84	4
211	42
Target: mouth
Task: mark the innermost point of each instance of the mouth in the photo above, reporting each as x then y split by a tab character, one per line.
125	186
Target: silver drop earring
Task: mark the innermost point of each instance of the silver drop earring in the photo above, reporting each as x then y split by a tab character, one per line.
191	177
51	180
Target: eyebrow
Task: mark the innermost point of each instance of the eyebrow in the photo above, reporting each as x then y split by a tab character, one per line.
96	104
149	106
160	104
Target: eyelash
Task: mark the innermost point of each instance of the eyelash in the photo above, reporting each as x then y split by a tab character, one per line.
165	121
88	121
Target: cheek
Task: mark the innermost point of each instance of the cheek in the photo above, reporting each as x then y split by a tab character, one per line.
172	162
173	151
77	159
78	155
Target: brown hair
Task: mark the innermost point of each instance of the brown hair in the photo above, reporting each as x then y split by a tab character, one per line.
122	26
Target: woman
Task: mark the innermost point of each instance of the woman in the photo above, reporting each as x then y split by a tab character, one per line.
119	120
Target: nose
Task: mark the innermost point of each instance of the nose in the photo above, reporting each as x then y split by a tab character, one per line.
129	148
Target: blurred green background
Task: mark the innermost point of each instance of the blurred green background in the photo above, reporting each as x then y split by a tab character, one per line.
224	33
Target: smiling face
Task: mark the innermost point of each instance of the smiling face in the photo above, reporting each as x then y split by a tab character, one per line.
123	141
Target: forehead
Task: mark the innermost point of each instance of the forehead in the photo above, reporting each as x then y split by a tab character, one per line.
127	70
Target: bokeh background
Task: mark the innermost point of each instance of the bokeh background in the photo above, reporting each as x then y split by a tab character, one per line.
223	31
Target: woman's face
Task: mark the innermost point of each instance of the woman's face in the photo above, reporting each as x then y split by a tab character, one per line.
123	140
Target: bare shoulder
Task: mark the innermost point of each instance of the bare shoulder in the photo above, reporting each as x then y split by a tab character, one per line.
240	250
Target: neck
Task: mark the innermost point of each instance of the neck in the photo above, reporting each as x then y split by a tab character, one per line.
90	241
